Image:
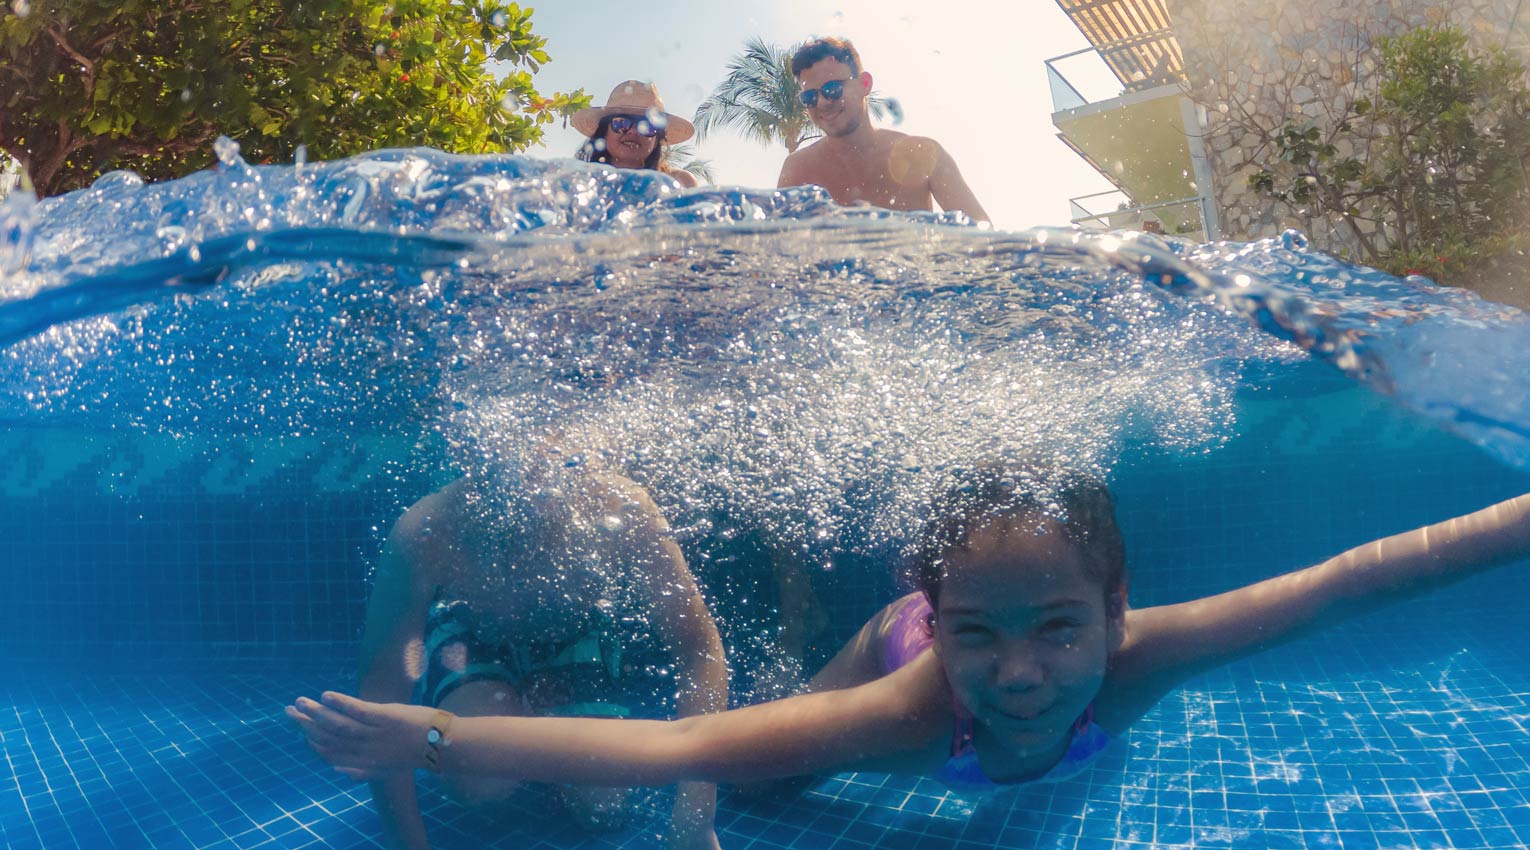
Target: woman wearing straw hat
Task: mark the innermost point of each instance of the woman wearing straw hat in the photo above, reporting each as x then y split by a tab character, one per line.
633	131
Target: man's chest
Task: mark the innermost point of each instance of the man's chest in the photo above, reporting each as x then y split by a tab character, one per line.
870	180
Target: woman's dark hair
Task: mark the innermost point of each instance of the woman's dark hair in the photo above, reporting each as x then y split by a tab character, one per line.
589	153
1079	503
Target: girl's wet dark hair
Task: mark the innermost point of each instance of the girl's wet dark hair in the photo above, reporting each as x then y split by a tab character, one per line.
1079	503
589	153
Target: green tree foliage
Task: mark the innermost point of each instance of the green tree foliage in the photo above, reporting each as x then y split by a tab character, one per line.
758	98
88	86
1429	170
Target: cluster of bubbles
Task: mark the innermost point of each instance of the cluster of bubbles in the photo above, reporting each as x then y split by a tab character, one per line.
764	360
830	422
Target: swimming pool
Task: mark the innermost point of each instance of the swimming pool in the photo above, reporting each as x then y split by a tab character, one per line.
195	485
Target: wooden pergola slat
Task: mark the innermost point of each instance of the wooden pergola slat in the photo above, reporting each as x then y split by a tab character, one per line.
1134	37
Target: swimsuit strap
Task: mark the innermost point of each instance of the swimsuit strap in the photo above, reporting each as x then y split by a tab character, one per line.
962	727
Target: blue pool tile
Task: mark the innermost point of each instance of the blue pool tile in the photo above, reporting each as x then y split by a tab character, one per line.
29	841
1280	820
865	831
931	842
920	804
1315	821
162	795
1429	838
813	840
251	839
1501	837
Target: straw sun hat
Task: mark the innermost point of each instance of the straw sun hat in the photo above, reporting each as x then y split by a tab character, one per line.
633	98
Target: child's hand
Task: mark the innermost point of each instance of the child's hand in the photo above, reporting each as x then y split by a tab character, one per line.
364	740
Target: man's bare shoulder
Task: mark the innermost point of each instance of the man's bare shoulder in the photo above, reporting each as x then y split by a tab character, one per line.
802	165
912	160
905	142
811	152
892	138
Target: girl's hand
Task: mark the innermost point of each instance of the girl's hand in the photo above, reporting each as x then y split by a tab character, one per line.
364	740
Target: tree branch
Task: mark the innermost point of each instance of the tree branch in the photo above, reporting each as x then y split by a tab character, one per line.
64	45
47	169
88	65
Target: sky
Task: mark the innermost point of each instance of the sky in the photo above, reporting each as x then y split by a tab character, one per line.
969	74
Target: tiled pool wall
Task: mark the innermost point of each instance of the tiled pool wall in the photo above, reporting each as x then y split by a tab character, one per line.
247	560
134	546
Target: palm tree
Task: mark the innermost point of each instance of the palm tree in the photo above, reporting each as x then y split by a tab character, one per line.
683	157
758	98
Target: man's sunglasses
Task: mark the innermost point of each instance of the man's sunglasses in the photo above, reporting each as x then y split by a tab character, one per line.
622	123
832	90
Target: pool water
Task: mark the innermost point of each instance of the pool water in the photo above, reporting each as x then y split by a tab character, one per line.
199	460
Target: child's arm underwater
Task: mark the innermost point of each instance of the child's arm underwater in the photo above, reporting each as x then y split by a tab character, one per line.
685	627
396	614
1169	643
845	729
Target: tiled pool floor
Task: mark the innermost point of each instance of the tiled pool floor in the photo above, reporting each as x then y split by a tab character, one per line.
1321	746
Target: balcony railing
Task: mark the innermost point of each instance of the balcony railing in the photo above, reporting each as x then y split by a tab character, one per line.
1071	75
1116	210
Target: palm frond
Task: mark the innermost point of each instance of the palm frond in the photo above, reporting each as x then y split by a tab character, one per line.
882	107
752	122
758	99
683	158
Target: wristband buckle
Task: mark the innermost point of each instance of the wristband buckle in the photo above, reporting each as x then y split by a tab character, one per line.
435	739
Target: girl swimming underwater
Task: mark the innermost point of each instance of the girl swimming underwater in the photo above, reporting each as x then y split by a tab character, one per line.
1017	660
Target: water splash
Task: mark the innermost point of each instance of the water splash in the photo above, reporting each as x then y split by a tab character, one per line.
18	227
816	370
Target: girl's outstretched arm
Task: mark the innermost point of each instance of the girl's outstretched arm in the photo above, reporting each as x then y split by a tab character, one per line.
1166	644
812	733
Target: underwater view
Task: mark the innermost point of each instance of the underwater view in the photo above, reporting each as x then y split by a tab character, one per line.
222	393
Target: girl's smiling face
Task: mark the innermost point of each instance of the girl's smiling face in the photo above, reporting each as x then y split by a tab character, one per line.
1023	632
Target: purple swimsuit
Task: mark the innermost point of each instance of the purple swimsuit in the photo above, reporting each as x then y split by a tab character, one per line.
909	636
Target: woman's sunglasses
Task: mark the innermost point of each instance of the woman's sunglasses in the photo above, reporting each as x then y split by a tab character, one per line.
622	123
832	90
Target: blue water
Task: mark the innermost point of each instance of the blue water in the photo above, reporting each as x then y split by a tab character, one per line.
219	392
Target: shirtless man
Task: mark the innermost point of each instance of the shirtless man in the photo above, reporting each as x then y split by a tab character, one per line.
505	596
856	162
